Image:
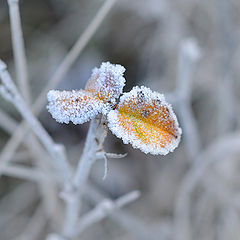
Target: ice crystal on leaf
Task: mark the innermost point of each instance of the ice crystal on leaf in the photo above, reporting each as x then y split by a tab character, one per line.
144	119
101	91
107	82
76	106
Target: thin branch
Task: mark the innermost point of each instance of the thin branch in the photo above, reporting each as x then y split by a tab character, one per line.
7	123
67	62
103	209
48	191
134	226
128	221
18	49
95	138
9	91
30	174
189	53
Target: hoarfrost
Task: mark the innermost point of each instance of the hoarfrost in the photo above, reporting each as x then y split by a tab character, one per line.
107	82
144	119
102	90
76	106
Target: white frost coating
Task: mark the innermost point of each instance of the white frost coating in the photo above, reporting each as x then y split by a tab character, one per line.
107	81
75	106
130	137
102	90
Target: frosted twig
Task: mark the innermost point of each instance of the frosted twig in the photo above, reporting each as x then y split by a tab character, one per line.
126	220
29	174
18	49
6	122
95	138
9	91
190	128
226	146
10	126
96	135
103	209
49	192
67	62
188	55
136	227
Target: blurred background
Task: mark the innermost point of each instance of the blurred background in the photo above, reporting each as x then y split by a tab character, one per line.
187	49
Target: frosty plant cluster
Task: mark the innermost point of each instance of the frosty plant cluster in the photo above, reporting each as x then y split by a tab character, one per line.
140	117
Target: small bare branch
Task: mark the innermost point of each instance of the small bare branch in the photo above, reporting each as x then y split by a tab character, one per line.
19	49
103	209
95	138
29	174
10	93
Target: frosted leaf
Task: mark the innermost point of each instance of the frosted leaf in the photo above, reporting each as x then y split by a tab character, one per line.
107	82
75	106
144	119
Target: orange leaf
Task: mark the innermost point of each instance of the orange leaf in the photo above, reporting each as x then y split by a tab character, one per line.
144	119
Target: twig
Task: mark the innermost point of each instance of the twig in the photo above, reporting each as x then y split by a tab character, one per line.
95	138
29	174
67	62
6	122
48	191
103	209
188	55
18	49
96	135
129	222
134	226
9	91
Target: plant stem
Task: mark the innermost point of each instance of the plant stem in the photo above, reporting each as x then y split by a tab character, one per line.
96	135
9	91
19	49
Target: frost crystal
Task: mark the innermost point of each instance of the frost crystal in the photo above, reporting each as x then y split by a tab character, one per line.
102	90
107	82
76	106
144	119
